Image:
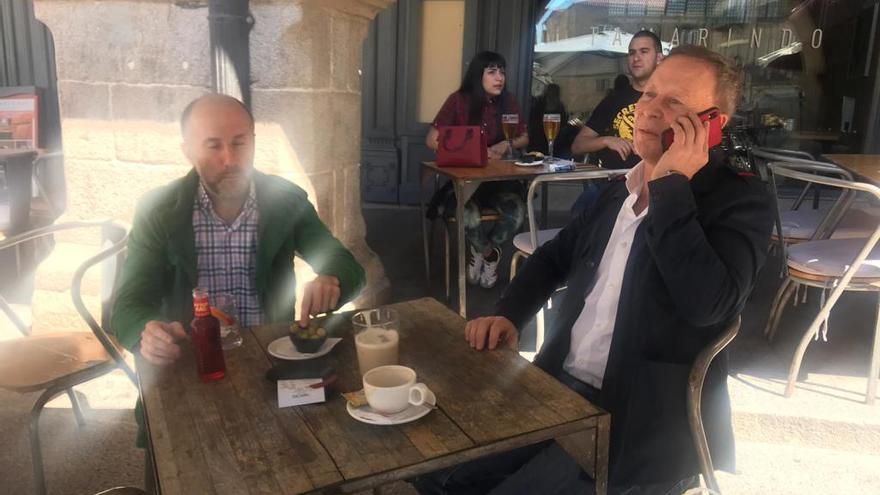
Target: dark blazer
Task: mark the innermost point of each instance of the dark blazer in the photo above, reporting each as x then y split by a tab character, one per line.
694	260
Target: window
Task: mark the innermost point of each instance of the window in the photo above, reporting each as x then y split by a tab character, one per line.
803	62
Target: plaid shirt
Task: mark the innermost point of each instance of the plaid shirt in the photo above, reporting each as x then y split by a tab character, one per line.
227	254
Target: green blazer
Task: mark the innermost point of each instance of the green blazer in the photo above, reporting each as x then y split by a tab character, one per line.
160	268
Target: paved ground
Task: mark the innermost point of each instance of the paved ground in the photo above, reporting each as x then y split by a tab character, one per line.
823	440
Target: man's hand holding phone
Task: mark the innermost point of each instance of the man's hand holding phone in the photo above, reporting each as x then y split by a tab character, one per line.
692	135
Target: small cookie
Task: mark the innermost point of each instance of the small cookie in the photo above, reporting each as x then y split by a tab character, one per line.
356	399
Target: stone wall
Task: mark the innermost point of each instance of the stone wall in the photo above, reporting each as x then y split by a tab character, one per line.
126	69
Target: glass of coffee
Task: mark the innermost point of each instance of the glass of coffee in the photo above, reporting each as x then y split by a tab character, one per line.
376	337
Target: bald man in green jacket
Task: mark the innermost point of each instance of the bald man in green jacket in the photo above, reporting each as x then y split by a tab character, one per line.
228	228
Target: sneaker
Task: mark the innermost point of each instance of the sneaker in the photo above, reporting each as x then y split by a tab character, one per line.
475	267
490	270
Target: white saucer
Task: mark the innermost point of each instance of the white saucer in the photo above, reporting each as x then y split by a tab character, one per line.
530	164
367	415
283	348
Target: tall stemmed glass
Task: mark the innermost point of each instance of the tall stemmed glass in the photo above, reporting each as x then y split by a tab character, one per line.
552	122
509	124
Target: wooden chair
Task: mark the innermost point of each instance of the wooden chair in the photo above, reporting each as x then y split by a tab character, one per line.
56	362
525	243
834	266
695	396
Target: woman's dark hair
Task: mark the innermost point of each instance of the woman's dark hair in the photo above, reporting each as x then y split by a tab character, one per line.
472	83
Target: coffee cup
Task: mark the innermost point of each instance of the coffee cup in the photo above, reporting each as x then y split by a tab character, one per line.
391	389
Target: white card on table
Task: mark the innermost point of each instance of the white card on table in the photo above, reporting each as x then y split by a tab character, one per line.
299	392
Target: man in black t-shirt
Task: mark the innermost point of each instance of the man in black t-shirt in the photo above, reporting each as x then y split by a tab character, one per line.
608	135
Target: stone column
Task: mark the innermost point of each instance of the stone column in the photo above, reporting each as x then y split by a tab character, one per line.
126	69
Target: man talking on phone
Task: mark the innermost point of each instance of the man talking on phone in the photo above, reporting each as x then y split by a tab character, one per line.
655	271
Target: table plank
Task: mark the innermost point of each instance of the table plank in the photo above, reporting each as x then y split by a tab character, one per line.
496	170
378	448
490	396
865	166
229	436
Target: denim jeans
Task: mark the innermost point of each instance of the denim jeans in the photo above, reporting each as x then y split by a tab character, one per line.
511	213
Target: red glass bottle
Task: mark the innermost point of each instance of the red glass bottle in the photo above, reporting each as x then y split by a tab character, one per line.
206	339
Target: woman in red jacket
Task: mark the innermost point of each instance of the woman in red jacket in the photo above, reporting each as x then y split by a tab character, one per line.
481	100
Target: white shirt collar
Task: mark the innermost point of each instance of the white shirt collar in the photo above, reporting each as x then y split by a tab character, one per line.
635	178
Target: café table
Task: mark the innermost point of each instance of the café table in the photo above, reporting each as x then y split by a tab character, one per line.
864	166
230	436
465	181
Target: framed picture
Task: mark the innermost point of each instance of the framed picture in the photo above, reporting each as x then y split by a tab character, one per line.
19	124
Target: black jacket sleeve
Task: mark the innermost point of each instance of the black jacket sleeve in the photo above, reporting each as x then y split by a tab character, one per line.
542	273
709	259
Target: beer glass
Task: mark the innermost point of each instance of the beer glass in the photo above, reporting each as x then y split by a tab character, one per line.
509	124
552	122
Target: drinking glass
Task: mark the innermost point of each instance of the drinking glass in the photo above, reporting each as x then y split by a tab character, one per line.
551	130
230	329
376	337
509	124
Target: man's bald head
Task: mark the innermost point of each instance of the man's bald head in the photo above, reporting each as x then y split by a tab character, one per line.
203	106
218	140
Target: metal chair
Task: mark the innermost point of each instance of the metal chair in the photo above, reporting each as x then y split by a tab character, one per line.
797	224
831	224
834	265
695	396
779	154
54	363
526	243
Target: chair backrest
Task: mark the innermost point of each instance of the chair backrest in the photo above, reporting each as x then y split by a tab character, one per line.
581	175
843	282
114	237
695	396
819	169
111	257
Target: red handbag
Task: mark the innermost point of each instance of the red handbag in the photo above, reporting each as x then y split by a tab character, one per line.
461	146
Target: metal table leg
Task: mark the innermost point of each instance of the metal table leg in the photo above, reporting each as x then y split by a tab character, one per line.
874	369
463	192
422	175
545	200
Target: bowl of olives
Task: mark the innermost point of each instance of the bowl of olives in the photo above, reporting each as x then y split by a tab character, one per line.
307	340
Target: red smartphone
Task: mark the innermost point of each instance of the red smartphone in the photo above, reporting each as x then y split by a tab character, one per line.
711	115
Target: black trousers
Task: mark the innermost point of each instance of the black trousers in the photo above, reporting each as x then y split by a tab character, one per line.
542	468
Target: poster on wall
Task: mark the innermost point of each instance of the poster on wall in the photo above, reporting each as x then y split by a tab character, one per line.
18	122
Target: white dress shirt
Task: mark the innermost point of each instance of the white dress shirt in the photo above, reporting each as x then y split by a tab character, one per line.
592	331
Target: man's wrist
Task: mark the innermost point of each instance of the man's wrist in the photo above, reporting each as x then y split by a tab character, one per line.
660	173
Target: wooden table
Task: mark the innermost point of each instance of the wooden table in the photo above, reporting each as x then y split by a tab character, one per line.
465	181
231	437
864	166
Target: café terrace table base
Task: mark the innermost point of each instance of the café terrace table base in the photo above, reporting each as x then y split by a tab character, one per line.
231	437
465	181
